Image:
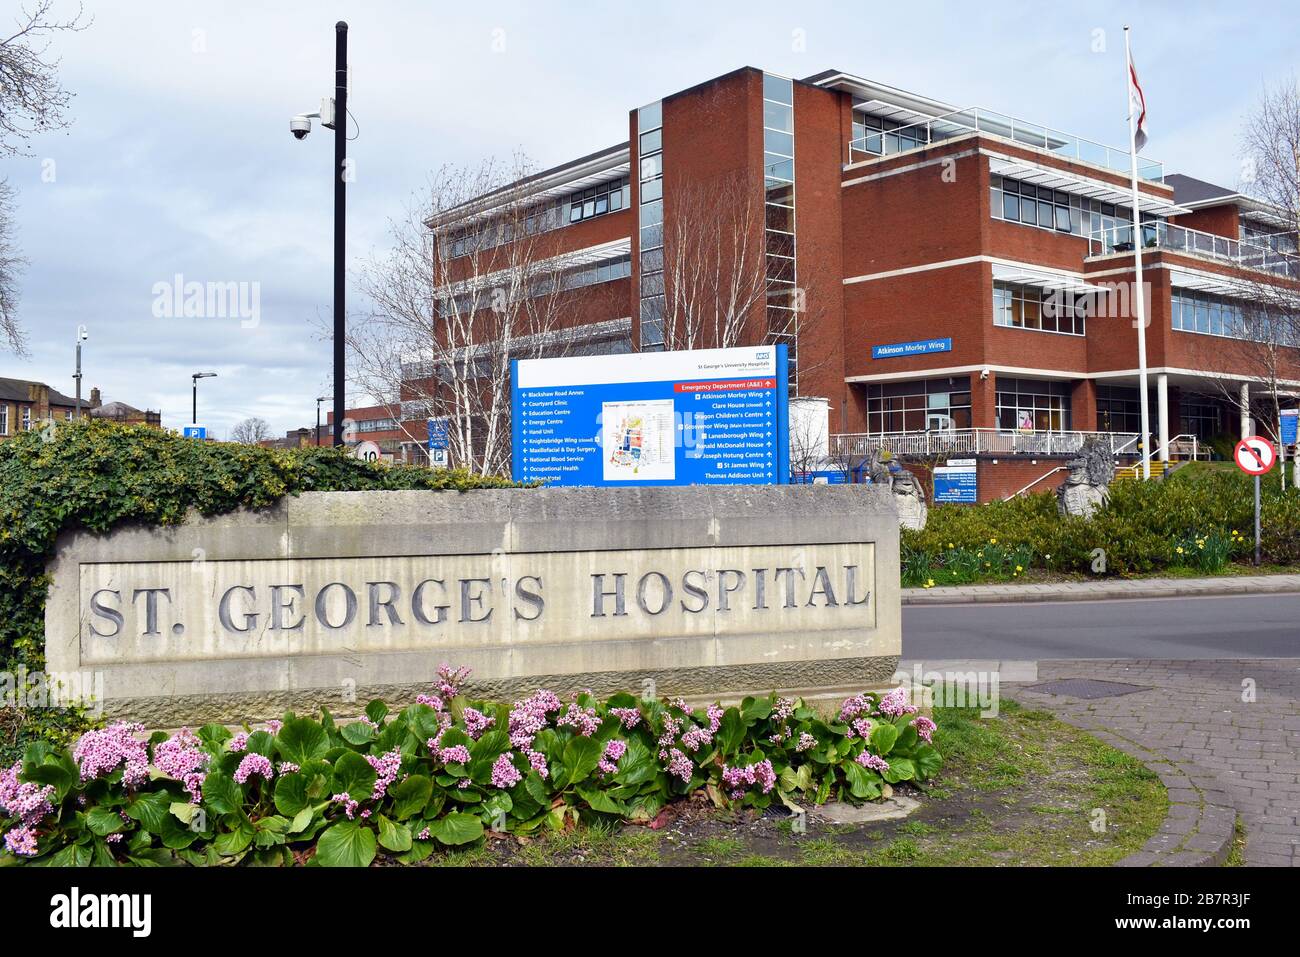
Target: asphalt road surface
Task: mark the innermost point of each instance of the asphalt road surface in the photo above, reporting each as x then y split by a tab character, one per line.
1266	626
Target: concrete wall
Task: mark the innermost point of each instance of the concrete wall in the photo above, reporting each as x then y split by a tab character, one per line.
333	598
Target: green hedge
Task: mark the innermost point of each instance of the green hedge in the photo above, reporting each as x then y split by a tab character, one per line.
99	475
1208	514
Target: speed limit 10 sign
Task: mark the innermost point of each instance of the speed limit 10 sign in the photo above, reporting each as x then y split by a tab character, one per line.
1255	455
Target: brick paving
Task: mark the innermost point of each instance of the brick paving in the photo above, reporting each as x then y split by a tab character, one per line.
1214	749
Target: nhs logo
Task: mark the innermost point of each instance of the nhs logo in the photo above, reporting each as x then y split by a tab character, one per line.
763	355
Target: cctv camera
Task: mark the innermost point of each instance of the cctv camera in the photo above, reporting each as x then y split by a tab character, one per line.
300	126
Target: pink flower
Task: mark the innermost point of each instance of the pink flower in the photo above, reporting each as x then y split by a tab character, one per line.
924	728
895	703
530	716
450	679
455	755
21	841
537	761
274	726
181	758
582	720
287	767
614	750
476	722
854	706
238	743
806	741
737	780
872	762
783	710
386	767
349	806
862	727
254	764
629	717
504	772
103	751
679	766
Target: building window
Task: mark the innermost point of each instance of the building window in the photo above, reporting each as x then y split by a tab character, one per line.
650	190
1033	405
936	405
1118	409
779	213
1219	316
1200	418
4	420
27	417
1028	307
874	136
589	274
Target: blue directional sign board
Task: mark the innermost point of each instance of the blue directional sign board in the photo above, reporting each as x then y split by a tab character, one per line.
1289	420
919	348
195	432
956	482
697	417
438	434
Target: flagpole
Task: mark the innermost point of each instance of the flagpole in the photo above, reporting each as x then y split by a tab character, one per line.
1138	293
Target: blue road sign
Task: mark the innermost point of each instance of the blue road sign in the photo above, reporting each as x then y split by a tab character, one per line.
956	483
195	432
438	434
698	417
1289	419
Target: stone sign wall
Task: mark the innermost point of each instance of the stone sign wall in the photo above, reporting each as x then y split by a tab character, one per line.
333	598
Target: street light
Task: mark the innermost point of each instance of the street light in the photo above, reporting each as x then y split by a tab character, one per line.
333	115
194	383
319	400
82	336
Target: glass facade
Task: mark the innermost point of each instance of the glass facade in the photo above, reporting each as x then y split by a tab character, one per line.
588	274
1028	307
1200	417
1033	405
585	204
650	220
1119	409
779	214
1019	202
920	405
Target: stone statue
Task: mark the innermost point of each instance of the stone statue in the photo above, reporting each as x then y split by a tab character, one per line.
909	496
1087	482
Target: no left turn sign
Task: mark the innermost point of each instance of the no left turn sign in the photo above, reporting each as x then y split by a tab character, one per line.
1255	455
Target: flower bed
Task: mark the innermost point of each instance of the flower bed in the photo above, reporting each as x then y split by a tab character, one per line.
439	773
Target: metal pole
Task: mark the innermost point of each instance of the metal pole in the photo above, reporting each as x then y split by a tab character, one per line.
318	422
340	211
1137	267
1256	521
194	401
78	375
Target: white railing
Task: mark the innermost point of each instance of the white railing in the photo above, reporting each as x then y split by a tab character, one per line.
1195	242
958	442
976	120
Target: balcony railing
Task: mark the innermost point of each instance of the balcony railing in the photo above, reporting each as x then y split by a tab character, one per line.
976	120
1161	235
975	441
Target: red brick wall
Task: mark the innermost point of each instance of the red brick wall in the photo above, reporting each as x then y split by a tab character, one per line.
1220	220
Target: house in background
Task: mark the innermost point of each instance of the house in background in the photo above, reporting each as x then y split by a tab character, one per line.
25	404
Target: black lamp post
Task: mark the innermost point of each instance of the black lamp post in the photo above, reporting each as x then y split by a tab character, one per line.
334	115
194	385
319	400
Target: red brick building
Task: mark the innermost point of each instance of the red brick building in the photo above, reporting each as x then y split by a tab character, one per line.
991	258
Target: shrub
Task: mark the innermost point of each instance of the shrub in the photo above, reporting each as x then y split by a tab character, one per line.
97	475
438	774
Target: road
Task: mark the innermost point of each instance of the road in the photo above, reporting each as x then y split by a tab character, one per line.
1266	626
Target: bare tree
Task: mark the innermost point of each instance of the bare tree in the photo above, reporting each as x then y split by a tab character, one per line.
715	279
1265	336
11	265
473	281
32	101
251	431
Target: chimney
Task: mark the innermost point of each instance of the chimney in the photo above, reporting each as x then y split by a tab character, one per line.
95	401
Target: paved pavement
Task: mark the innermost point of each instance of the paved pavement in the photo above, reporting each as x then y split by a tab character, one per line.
1194	717
1106	588
1218	716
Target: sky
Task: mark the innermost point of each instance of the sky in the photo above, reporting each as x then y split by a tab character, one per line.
179	162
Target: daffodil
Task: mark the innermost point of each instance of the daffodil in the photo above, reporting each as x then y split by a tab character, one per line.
1180	549
1019	569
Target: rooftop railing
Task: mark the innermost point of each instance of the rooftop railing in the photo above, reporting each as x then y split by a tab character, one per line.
976	120
1161	235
